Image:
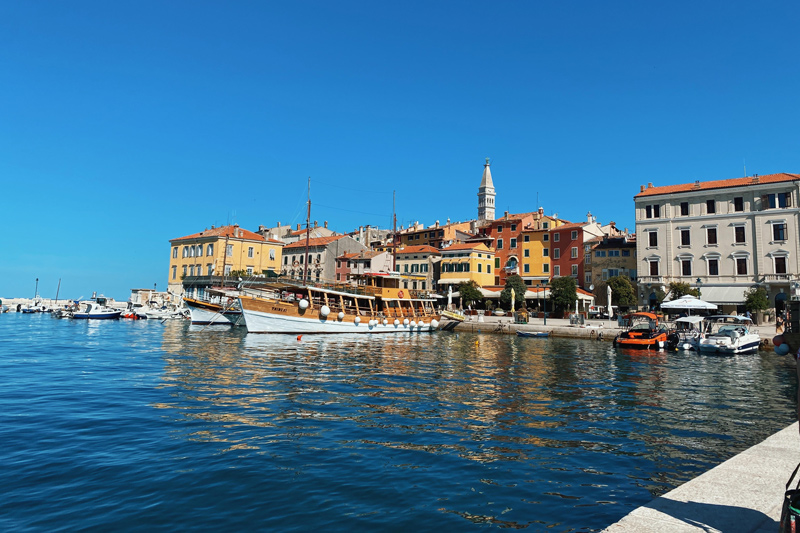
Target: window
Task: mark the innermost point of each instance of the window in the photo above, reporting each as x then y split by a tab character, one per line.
556	253
588	278
613	253
613	272
779	231
488	269
526	268
546	268
711	206
556	237
684	209
626	253
175	267
738	234
557	270
575	270
500	228
249	271
653	236
654	268
250	251
184	270
713	267
771	201
199	250
499	244
652	211
209	269
512	243
574	235
600	253
741	266
272	254
229	250
685	241
574	252
497	262
191	270
686	267
546	237
545	252
738	204
526	238
711	235
285	259
545	225
175	253
480	266
513	227
526	253
185	252
780	265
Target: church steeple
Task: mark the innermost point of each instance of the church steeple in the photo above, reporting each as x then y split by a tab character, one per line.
486	195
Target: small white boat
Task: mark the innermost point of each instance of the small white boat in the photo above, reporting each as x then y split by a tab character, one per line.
686	333
729	335
98	310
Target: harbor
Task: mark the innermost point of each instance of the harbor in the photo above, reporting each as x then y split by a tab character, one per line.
450	429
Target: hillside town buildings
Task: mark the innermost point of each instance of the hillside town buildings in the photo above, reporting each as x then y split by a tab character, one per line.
722	237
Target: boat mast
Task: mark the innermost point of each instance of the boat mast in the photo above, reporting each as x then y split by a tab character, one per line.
224	260
394	233
308	233
58	289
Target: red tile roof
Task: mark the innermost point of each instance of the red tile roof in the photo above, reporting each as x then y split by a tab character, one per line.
317	241
418	250
718	184
225	231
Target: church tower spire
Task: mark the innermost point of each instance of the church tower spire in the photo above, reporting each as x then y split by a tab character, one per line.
486	195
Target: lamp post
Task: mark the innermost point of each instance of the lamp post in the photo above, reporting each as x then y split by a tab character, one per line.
699	285
544	295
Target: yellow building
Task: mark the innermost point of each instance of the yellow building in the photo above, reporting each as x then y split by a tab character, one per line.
462	263
194	259
535	260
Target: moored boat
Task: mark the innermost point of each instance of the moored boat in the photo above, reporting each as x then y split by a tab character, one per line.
532	334
686	334
379	306
644	332
98	310
729	335
219	307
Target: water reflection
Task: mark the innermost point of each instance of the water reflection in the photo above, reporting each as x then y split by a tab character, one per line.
540	426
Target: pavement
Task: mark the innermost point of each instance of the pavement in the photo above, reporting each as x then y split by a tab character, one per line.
742	495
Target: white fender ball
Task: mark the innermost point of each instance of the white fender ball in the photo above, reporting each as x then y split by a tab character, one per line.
434	323
341	315
405	322
325	310
396	322
357	320
413	324
303	304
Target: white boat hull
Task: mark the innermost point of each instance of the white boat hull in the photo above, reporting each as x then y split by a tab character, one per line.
206	316
743	345
260	322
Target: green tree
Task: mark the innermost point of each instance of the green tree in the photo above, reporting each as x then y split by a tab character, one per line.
563	293
678	289
469	292
622	291
513	282
756	299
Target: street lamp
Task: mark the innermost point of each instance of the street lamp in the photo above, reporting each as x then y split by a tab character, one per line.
699	285
543	284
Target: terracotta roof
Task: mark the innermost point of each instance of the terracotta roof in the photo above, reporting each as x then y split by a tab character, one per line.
418	250
225	231
316	241
718	184
570	225
513	216
466	247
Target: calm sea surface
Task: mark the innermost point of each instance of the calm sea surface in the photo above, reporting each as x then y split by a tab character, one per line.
142	426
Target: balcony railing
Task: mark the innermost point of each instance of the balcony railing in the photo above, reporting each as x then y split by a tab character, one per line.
779	278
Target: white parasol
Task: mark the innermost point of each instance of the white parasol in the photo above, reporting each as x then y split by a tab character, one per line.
690	303
608	291
450	297
513	295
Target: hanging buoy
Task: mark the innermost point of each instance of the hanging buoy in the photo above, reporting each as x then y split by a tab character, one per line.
299	337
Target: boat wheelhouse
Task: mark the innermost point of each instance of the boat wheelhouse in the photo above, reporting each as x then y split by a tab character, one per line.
218	306
377	306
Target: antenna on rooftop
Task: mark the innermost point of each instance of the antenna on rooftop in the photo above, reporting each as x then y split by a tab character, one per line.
744	162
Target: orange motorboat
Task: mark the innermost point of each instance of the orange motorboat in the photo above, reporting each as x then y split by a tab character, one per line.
643	332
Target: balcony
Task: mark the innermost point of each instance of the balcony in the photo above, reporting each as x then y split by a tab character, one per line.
652	280
511	270
779	278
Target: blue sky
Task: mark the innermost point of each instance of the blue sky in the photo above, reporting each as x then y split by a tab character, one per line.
123	125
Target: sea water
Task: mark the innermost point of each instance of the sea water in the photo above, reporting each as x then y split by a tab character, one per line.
150	426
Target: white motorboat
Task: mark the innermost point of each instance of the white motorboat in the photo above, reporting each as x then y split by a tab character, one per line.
686	334
729	335
97	309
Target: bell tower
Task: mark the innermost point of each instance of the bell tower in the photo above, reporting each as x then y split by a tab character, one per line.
486	195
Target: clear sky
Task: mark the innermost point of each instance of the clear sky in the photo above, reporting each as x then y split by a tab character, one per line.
126	124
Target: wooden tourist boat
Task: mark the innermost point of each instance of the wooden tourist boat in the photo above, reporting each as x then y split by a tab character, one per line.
643	332
219	307
378	306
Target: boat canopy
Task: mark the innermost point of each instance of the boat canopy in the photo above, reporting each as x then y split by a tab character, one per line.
694	320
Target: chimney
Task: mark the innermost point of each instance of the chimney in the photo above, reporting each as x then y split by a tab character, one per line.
589	217
641	188
649	184
448	221
697	184
212	226
755	178
298	227
261	227
541	211
436	225
325	224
